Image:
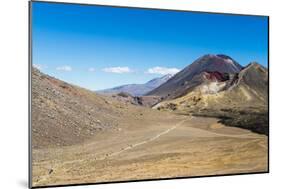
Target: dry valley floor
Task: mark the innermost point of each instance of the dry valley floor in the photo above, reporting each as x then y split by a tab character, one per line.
161	146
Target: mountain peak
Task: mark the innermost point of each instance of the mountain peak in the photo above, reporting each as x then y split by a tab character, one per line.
254	64
180	82
167	76
210	62
159	80
254	67
224	56
138	89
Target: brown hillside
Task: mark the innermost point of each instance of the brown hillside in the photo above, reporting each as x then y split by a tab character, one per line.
64	114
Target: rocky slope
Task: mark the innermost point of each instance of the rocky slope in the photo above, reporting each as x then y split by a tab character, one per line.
127	98
64	114
239	99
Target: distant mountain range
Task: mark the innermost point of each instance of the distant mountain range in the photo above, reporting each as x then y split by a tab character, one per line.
212	86
137	89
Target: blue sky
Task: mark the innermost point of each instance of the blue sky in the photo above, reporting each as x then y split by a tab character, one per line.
101	47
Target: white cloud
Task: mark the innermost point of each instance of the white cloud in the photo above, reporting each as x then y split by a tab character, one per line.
118	70
91	69
64	68
38	66
162	70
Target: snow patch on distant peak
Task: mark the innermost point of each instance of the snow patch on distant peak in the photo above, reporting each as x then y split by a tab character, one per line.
168	76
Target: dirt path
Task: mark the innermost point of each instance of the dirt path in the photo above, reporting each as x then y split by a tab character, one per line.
150	139
130	147
156	149
200	132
